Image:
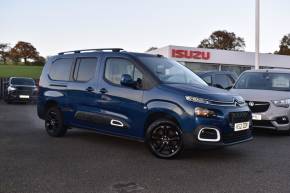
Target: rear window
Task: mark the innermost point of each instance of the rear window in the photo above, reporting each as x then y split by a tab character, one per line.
60	69
22	81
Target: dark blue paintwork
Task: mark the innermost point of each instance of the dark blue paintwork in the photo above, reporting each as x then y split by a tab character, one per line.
133	106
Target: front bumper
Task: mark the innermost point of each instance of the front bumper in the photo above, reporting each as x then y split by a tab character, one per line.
273	119
17	96
223	124
227	139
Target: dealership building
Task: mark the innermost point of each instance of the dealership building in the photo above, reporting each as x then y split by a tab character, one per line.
199	59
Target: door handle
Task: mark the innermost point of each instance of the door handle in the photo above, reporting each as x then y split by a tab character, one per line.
90	89
103	90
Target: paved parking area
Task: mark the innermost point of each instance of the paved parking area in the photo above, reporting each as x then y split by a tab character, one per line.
83	161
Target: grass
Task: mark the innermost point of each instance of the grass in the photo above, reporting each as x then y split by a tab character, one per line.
20	71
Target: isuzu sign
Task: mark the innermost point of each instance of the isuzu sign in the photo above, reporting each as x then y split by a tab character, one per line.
190	54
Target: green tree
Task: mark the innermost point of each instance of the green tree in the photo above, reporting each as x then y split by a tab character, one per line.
284	48
4	52
223	40
23	50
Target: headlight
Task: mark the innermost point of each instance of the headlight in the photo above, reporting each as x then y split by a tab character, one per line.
11	88
282	103
196	99
203	112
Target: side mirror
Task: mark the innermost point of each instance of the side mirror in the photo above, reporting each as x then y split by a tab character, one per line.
229	88
127	80
218	86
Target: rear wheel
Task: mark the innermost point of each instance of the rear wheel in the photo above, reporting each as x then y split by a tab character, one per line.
164	139
54	122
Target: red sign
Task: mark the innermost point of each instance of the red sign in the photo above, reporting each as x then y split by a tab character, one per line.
189	54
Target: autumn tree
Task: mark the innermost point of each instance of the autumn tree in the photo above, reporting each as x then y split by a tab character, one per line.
23	50
284	48
4	51
223	40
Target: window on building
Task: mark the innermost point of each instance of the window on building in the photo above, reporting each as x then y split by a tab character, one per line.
235	68
85	69
199	67
60	69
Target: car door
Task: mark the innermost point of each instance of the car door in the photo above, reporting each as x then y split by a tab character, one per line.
83	92
121	106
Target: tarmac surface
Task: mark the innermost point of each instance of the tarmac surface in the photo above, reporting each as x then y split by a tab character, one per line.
83	161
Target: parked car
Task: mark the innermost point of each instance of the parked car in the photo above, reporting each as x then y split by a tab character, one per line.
219	79
20	89
267	93
139	96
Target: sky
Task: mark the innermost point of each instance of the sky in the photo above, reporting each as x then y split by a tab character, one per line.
53	26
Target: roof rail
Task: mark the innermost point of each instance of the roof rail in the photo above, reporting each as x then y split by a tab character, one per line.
91	50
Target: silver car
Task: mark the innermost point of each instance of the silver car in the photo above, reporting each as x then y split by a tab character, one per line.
267	93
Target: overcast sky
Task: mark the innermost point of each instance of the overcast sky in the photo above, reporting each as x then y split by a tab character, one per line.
58	25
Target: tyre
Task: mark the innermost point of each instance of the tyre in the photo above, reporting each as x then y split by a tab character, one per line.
164	139
54	122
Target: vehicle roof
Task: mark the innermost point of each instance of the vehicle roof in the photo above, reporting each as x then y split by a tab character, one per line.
21	77
276	70
214	71
95	53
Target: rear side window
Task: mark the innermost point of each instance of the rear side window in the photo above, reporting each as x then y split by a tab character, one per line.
60	69
116	67
85	69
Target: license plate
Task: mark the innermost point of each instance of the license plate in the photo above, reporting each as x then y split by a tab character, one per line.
256	117
242	126
24	96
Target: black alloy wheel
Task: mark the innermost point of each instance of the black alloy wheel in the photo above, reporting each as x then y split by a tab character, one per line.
164	138
54	123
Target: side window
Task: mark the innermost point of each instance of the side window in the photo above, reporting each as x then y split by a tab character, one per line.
223	80
208	80
85	69
60	69
116	67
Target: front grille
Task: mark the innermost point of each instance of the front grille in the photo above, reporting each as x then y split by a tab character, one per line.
262	123
239	117
236	136
24	92
258	107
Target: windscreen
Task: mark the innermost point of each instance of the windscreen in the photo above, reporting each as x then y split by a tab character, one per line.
169	71
23	81
264	81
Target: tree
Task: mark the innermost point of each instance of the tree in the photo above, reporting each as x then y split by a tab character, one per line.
4	51
151	49
284	48
23	50
223	40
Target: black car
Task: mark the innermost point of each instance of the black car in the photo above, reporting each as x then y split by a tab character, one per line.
219	79
20	89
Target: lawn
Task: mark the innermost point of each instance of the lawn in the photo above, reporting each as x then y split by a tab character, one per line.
20	71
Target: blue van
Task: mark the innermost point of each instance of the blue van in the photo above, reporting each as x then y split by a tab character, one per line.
139	96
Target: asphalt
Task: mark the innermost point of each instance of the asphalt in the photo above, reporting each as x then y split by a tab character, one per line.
83	161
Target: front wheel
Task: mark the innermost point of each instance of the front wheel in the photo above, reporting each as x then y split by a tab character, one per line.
54	122
164	139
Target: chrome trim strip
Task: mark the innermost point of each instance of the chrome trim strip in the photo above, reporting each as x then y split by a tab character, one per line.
209	140
116	123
